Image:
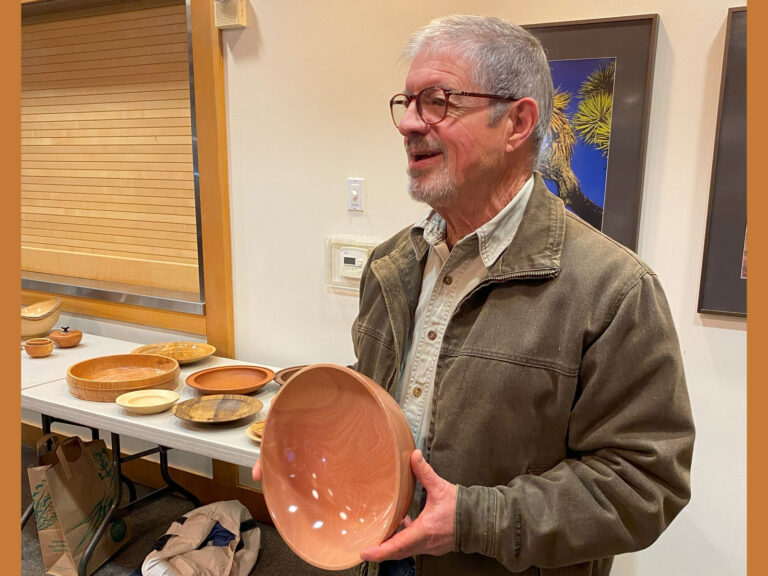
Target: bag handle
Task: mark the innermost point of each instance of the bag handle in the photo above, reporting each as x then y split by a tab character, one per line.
43	441
65	464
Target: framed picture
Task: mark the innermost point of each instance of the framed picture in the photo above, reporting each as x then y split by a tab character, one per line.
594	153
723	288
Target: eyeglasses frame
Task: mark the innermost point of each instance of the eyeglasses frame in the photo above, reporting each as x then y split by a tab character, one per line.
448	93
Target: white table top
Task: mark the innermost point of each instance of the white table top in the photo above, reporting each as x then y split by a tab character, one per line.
225	442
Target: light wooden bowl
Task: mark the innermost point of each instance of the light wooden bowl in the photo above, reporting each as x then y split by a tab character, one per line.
105	378
182	352
150	401
39	317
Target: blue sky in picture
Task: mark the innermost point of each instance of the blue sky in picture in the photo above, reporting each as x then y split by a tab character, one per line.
588	163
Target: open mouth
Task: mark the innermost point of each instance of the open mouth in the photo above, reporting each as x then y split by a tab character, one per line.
422	157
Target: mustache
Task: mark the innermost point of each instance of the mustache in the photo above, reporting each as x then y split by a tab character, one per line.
418	145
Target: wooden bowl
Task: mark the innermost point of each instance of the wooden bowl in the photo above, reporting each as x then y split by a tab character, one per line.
150	401
66	338
105	378
217	409
286	373
182	352
335	460
39	317
230	379
38	347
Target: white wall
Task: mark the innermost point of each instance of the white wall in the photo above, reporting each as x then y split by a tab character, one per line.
307	91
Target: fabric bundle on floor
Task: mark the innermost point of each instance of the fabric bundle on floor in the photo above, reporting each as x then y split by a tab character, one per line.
220	539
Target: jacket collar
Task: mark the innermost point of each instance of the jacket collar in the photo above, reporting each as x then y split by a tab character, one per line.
537	245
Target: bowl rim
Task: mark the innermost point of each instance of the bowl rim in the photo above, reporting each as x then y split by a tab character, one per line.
40	316
172	370
389	517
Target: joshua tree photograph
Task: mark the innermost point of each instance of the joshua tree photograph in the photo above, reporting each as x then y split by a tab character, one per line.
574	158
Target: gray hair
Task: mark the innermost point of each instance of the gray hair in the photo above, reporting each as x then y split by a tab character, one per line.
509	61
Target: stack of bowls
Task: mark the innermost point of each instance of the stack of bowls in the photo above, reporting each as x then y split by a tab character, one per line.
105	378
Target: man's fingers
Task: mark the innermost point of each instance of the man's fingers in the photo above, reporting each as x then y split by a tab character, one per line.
256	472
402	545
407	521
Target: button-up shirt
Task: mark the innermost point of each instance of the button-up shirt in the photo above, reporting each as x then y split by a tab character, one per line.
449	275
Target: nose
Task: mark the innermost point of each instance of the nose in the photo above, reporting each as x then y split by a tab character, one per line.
411	121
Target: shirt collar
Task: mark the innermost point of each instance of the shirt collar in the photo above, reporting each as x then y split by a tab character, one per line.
493	237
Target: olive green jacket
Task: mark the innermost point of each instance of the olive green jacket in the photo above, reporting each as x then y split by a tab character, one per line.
560	404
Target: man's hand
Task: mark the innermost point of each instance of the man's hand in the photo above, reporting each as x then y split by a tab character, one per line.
256	472
432	531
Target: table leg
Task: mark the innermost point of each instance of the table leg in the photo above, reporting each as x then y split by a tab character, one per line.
171	482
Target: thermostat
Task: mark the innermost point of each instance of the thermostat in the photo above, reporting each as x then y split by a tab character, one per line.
345	259
352	261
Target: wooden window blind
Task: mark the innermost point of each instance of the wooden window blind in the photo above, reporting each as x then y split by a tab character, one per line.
107	171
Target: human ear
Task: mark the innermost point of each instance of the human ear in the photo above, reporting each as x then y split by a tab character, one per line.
521	121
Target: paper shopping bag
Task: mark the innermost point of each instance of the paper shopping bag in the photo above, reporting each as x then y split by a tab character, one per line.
72	491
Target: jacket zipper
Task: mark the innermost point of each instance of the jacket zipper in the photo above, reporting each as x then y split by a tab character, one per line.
545	273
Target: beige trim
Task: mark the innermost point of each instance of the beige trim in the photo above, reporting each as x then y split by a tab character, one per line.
214	192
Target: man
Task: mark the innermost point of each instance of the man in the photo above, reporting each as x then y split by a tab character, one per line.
535	359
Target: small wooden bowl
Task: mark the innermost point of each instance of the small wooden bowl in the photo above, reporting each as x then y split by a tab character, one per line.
66	339
38	347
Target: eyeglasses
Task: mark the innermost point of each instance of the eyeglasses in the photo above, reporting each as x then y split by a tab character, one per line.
432	103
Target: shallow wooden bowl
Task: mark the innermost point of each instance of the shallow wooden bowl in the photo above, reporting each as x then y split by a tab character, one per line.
255	431
335	460
217	408
127	371
182	352
39	317
286	373
230	379
150	401
38	347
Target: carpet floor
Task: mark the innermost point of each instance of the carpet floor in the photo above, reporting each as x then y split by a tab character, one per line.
275	558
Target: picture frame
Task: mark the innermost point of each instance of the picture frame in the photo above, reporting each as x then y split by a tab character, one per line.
723	288
631	41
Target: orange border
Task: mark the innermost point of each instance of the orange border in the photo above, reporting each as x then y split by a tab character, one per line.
10	240
757	423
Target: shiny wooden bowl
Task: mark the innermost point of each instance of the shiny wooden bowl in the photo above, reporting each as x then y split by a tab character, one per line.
182	352
239	379
105	378
39	317
335	460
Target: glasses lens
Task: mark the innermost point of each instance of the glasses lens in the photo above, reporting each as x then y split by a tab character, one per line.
433	103
398	105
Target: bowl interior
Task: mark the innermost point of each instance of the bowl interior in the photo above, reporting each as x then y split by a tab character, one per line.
123	368
330	467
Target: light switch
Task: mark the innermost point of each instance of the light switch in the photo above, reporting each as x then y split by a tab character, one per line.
355	188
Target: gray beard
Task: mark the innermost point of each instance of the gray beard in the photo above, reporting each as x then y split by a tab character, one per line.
436	190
